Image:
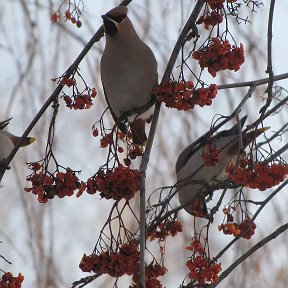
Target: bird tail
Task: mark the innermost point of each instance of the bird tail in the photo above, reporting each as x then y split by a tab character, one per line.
138	131
252	135
28	141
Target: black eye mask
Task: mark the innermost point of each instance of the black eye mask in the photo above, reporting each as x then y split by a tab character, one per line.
118	19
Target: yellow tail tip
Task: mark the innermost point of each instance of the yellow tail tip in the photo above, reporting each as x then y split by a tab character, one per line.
31	140
261	130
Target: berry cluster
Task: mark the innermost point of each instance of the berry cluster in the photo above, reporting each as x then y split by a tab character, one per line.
80	101
165	229
125	260
247	227
260	176
152	272
67	81
220	55
211	154
202	269
106	140
210	19
47	185
68	16
9	281
196	247
183	95
55	17
118	183
135	151
74	19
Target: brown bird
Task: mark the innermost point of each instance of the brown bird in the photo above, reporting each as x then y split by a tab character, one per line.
190	165
128	73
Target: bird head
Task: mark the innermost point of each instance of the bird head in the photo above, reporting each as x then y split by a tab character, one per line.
116	22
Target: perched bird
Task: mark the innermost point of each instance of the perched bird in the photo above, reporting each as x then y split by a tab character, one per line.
128	73
191	167
8	140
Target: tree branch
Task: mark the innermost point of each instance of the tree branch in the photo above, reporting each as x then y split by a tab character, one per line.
253	82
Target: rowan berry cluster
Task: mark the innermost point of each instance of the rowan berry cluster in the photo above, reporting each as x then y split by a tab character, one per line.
210	19
257	175
47	185
80	101
73	18
247	227
55	17
67	81
165	229
183	95
118	183
201	269
220	55
9	281
125	260
211	154
135	151
152	272
106	140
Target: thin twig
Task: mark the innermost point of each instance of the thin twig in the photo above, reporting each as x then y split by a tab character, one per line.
253	82
85	281
269	59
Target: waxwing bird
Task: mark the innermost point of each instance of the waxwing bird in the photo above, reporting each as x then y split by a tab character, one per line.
8	140
128	73
190	167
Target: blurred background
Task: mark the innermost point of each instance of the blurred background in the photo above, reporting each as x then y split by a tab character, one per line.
45	242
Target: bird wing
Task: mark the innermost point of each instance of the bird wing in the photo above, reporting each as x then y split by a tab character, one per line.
107	101
186	154
121	125
195	146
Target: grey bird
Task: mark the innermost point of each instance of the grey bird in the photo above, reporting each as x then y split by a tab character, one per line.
190	167
8	140
128	73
